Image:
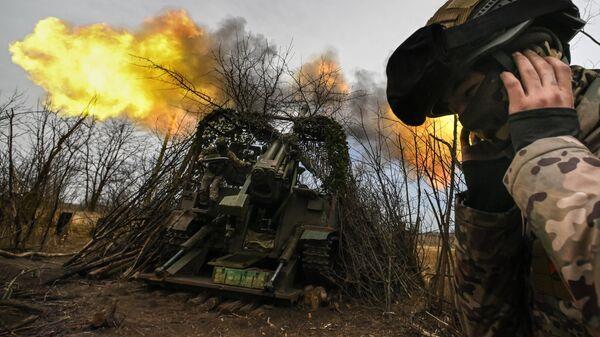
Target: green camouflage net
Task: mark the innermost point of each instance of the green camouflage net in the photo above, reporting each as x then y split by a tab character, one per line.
320	140
323	142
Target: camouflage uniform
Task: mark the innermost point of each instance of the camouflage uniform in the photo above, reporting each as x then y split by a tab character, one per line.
216	170
513	277
540	276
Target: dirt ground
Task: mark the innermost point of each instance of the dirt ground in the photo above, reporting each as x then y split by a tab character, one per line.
84	307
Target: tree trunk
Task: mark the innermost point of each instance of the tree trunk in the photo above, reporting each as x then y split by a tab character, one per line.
157	166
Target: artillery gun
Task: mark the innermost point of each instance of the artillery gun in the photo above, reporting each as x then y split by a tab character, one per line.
266	234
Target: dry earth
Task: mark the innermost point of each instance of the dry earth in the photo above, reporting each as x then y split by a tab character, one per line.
74	307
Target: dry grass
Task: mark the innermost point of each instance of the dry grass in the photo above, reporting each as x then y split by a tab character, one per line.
78	234
429	253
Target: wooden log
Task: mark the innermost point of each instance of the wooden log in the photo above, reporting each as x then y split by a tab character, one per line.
101	262
10	255
143	250
82	268
98	273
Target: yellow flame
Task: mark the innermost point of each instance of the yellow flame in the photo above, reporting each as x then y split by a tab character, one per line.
76	65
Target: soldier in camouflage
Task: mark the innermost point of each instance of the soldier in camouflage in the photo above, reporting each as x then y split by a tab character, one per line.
528	226
218	160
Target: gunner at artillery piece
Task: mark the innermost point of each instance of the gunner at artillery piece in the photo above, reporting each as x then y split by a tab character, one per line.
219	161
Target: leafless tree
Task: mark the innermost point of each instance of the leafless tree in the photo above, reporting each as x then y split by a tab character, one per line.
37	162
250	75
109	147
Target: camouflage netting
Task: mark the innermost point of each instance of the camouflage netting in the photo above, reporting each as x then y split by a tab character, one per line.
323	141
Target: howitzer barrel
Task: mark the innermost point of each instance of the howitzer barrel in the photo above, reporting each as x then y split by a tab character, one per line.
274	157
272	151
280	155
269	172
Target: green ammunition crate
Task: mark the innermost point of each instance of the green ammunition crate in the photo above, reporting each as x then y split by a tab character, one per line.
247	278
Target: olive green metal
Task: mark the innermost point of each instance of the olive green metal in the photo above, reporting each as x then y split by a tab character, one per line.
251	239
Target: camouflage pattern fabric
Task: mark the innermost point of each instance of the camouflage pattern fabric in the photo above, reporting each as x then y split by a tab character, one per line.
505	271
556	181
490	272
210	186
212	179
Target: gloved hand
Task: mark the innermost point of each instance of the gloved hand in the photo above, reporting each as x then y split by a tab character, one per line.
484	166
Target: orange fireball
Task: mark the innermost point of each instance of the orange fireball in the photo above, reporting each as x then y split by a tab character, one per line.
427	147
101	64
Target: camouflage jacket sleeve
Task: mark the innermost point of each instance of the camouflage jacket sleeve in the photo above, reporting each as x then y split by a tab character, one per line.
490	270
556	183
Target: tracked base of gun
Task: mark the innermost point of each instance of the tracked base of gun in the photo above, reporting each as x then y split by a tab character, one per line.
318	259
238	307
258	308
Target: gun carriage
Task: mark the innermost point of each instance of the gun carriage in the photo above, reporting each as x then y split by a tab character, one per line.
264	229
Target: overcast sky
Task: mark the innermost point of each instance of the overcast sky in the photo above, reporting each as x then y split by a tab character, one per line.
363	33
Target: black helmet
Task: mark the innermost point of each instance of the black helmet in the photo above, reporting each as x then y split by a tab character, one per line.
462	32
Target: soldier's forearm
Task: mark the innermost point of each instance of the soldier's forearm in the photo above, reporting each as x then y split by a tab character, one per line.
237	163
556	183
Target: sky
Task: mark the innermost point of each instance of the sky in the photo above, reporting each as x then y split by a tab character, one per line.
362	33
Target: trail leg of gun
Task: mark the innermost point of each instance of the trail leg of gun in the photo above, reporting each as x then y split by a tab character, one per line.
186	246
285	258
